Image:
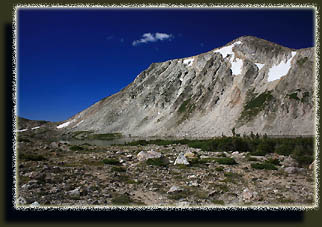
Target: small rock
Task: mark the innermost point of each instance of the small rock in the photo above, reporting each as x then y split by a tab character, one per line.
193	183
311	166
248	195
191	176
21	201
204	157
54	145
291	170
235	153
181	159
183	204
145	155
174	189
35	204
75	192
289	162
189	154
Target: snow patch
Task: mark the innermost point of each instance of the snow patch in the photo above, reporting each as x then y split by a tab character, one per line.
236	63
64	124
236	66
35	128
259	66
188	61
277	71
22	130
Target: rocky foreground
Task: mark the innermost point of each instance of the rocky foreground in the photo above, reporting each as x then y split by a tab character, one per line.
59	174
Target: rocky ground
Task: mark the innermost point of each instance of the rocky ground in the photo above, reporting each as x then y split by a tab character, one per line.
59	174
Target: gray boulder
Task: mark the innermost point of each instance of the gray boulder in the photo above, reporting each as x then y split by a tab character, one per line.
145	155
181	160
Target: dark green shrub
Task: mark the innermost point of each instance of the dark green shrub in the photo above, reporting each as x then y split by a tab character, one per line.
184	106
118	169
32	157
121	199
22	139
219	168
105	136
302	155
111	161
218	202
255	104
268	166
252	159
226	161
258	153
284	148
179	195
265	147
157	161
273	161
293	96
76	148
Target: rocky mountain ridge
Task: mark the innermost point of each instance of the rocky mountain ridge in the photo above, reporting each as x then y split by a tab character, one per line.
249	85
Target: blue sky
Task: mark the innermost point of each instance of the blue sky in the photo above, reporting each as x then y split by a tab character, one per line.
70	59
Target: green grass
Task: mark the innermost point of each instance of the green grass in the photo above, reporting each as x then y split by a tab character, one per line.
254	105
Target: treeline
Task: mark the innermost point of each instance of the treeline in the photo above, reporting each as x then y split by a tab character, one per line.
299	148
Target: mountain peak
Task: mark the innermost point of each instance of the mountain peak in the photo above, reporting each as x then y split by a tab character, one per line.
249	84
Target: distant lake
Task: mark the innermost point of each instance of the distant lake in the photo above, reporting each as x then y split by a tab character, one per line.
103	143
123	140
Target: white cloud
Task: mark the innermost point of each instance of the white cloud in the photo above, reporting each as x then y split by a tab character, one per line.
162	36
149	37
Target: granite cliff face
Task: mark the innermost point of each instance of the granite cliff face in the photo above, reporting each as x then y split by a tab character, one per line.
250	84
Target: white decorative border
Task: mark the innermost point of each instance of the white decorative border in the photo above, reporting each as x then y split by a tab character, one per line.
171	6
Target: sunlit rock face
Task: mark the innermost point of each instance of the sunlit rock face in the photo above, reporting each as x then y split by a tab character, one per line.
250	84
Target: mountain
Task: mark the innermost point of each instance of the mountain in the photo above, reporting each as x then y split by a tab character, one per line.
248	85
26	124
